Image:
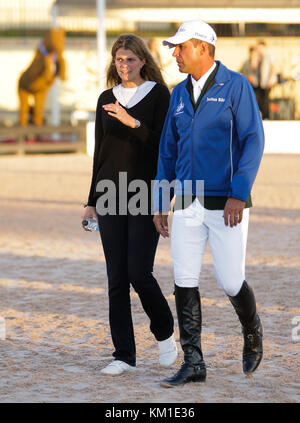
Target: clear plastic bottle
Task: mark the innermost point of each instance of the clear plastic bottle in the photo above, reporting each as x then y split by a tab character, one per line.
90	224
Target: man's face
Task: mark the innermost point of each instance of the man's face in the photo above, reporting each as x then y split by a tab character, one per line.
188	57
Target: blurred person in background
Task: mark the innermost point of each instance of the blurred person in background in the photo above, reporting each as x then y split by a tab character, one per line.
154	50
34	83
266	78
250	67
153	45
129	121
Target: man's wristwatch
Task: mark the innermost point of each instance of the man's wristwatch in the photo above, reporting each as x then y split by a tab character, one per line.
137	124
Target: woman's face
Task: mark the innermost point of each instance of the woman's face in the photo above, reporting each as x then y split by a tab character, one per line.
128	65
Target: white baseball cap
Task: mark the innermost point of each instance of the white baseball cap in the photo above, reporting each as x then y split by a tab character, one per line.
192	29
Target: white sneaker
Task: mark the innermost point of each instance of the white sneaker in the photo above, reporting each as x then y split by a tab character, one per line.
117	367
167	352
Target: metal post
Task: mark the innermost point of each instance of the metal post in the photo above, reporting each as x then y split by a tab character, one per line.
242	29
101	45
55	106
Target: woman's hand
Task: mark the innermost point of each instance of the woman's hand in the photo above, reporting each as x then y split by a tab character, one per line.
117	111
89	211
161	224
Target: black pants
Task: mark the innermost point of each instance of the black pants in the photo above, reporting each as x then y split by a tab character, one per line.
262	97
129	244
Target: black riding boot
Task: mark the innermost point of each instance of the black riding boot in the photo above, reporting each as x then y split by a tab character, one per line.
245	307
188	308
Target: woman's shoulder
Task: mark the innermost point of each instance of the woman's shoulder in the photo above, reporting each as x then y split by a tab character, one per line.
161	90
105	95
162	87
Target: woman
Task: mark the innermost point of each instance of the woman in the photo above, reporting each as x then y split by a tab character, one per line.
129	121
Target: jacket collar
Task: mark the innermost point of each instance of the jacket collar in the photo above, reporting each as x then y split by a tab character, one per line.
222	75
209	82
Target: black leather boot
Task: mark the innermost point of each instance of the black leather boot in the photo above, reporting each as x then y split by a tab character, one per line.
245	306
188	308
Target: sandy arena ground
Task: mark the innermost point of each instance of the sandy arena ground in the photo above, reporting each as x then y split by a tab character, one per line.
53	295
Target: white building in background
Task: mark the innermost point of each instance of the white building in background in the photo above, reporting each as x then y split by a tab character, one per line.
155	15
237	22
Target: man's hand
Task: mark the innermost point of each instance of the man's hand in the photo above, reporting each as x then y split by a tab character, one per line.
161	223
233	211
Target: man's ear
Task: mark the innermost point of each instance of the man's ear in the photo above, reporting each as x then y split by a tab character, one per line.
203	48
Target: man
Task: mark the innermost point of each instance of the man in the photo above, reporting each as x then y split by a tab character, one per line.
213	133
250	67
266	80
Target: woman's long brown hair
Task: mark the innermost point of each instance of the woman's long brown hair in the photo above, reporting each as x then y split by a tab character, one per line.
149	72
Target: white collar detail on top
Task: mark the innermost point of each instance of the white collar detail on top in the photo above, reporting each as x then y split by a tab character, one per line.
129	97
199	84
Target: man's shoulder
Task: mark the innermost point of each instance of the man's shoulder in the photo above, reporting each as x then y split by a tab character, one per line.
181	84
226	73
239	81
238	76
180	89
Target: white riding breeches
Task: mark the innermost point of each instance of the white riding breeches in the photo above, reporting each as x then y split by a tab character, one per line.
191	229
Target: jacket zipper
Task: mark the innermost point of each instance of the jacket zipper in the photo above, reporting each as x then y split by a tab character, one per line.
231	163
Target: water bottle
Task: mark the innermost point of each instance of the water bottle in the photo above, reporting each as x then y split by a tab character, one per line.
90	224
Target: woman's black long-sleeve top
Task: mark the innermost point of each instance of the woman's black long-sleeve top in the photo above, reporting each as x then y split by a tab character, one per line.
119	148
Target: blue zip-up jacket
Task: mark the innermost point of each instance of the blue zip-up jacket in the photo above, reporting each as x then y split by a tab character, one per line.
221	143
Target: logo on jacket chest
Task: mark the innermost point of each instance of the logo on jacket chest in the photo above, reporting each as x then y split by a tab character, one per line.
215	99
180	107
